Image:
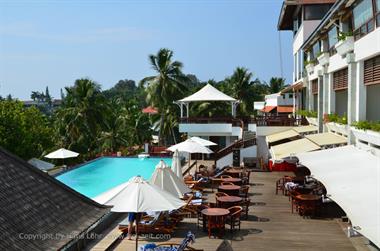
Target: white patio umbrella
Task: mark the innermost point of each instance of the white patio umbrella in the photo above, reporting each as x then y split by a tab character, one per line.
138	196
62	154
203	142
167	180
176	165
190	146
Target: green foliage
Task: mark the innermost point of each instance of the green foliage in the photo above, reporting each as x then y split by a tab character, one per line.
337	119
307	113
276	85
307	62
343	35
367	125
25	132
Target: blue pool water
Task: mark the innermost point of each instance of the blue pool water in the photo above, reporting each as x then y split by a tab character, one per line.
105	173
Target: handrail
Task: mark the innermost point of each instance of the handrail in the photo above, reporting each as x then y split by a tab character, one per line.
189	168
238	144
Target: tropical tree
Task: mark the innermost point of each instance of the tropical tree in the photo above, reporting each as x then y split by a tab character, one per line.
167	85
276	84
81	117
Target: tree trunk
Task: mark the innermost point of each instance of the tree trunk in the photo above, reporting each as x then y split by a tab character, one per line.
160	136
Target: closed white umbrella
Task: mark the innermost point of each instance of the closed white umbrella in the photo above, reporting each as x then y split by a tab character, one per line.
167	180
62	154
176	165
138	196
203	142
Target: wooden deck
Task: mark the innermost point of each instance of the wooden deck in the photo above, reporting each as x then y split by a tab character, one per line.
271	226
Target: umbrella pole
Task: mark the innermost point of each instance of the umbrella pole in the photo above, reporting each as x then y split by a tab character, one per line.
137	235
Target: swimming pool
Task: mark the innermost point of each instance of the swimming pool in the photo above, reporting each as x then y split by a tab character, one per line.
105	173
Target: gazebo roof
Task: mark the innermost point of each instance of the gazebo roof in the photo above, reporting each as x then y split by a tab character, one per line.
207	93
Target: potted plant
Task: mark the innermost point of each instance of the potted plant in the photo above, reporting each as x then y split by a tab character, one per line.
336	123
367	131
311	116
309	66
345	43
323	58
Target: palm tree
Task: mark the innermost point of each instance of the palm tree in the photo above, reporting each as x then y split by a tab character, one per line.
168	85
241	89
81	116
276	84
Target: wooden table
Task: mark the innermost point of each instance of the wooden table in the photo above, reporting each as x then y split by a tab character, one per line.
236	181
235	173
215	220
232	190
229	201
308	197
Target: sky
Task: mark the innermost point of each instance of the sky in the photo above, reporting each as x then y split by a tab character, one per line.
53	43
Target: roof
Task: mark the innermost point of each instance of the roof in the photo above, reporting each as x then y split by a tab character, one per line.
289	149
328	138
352	180
150	110
285	20
268	108
284	109
293	87
40	164
208	93
32	202
324	22
281	136
305	129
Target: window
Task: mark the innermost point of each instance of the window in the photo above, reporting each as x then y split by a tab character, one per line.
372	71
300	64
340	79
332	39
314	86
290	95
378	12
316	50
315	11
363	18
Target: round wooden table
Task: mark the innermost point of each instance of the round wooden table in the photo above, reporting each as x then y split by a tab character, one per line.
236	181
232	190
215	220
235	173
308	197
229	201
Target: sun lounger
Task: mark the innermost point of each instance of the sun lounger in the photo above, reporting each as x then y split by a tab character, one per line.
160	223
171	246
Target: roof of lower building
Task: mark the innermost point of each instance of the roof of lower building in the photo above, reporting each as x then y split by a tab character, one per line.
268	108
284	109
37	212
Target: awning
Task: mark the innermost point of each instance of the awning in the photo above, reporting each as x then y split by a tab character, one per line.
208	93
305	129
352	179
284	109
293	87
268	108
281	135
291	148
150	110
328	138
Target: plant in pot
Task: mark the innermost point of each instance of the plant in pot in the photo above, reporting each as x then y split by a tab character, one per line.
345	43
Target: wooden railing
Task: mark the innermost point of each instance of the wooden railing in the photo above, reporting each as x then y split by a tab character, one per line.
189	168
271	120
237	145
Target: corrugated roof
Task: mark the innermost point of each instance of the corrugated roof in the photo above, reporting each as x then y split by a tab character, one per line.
34	204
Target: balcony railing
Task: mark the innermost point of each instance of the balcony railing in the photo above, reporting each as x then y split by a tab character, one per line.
272	120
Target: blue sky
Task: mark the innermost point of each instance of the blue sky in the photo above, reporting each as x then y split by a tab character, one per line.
52	43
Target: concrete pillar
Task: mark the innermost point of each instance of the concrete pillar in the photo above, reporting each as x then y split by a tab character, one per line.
361	93
325	98
351	91
311	97
320	102
331	95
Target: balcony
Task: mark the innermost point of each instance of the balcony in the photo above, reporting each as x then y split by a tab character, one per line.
213	126
323	59
345	46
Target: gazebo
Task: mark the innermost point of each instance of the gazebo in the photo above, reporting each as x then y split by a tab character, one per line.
207	93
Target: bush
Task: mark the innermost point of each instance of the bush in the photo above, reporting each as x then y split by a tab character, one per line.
307	113
336	118
367	125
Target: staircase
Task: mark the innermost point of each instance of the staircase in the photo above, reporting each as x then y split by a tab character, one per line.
250	140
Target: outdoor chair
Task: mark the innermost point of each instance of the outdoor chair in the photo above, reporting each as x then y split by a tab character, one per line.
148	224
224	176
244	191
227	184
200	219
172	246
246	178
245	206
280	185
233	218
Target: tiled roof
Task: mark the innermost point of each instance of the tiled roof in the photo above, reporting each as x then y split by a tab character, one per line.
284	109
37	212
268	108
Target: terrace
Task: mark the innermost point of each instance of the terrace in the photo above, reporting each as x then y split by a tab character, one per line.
270	226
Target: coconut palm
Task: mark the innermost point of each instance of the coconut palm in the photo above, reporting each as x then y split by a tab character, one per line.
81	116
168	85
276	84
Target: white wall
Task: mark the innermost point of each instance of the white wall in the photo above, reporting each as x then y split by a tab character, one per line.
225	161
368	46
252	127
207	129
248	152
